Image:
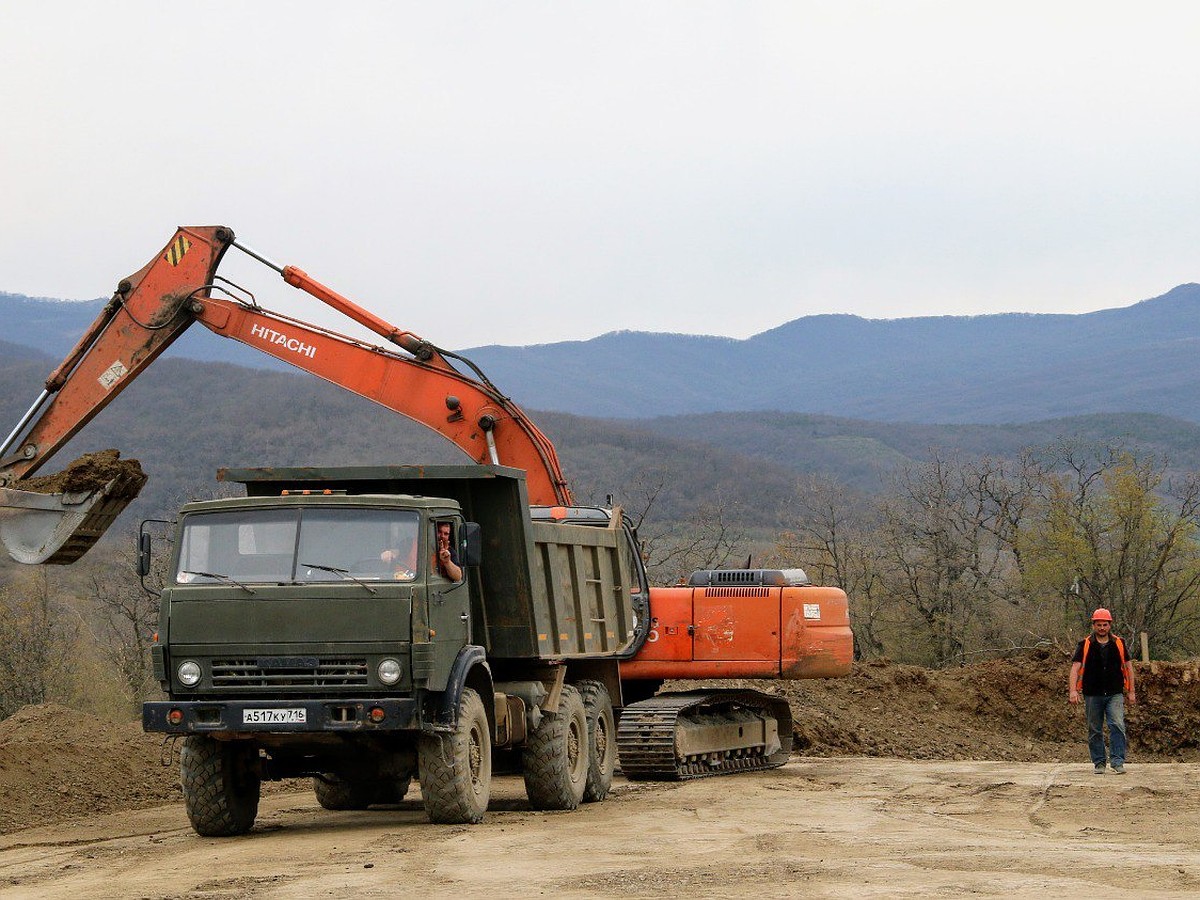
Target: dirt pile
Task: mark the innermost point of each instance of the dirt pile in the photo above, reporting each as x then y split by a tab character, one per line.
89	472
1002	709
57	764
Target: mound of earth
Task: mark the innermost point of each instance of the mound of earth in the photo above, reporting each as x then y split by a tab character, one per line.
1002	709
57	764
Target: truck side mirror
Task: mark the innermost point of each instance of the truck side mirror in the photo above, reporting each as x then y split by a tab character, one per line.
143	562
472	544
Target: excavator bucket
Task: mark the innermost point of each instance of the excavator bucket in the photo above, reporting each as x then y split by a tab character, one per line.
56	528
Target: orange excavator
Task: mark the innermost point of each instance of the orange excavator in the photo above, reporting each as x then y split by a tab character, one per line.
724	624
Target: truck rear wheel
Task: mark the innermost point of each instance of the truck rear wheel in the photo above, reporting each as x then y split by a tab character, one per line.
455	770
556	755
337	793
602	739
391	790
221	784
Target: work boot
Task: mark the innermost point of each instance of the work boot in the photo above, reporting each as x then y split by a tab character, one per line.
1099	769
1119	769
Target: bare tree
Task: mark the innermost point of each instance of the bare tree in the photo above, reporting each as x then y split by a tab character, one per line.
832	534
671	550
946	562
37	637
130	617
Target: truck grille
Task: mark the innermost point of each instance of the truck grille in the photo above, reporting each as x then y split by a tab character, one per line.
289	672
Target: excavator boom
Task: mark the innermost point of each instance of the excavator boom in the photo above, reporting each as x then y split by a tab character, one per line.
155	305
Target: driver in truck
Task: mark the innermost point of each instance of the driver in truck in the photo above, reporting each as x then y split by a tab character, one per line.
401	554
444	560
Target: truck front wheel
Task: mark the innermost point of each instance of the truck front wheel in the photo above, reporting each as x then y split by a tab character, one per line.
455	770
221	783
602	739
556	755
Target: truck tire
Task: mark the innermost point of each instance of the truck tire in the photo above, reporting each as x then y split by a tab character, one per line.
455	770
221	784
602	739
556	755
336	793
391	790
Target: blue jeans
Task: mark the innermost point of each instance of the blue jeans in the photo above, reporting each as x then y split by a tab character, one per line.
1112	709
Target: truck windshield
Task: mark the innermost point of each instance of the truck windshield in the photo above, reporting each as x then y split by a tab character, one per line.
298	545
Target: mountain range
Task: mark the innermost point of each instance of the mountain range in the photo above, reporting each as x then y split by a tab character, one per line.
184	419
1004	368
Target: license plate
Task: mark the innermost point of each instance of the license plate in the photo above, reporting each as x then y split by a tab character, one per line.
274	716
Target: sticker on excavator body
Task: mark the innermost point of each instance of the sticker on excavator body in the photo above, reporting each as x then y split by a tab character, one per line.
112	375
177	249
812	610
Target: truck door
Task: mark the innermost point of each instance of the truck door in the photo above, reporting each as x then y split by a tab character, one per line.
449	595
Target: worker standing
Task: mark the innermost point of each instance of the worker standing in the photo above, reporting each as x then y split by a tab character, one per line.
1103	675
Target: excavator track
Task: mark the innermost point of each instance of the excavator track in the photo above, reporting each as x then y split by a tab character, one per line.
698	734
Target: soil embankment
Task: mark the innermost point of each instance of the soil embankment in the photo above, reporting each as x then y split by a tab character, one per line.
57	764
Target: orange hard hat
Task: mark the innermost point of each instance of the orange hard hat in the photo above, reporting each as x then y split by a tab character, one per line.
1102	615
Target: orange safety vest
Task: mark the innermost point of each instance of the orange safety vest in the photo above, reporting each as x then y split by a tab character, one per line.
1087	642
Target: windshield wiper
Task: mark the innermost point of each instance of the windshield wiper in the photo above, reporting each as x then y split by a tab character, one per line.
220	577
343	572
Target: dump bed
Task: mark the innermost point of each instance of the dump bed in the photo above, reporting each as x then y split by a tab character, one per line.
544	590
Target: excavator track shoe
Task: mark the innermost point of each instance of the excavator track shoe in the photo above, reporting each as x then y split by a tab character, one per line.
698	734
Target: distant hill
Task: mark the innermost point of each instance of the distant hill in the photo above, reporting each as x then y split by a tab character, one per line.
54	327
861	452
1013	367
10	353
188	418
997	368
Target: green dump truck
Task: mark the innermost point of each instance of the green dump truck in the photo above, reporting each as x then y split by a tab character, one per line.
366	626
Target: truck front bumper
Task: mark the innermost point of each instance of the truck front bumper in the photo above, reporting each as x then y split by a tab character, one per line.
280	716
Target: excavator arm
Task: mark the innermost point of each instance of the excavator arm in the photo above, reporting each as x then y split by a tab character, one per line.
152	307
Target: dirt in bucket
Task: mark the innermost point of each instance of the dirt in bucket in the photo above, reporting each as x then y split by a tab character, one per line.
88	473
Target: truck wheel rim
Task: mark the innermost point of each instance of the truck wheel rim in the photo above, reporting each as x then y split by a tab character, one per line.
601	738
573	748
475	756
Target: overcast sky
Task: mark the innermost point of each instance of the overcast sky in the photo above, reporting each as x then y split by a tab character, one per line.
520	173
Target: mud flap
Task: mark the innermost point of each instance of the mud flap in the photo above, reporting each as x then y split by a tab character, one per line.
57	529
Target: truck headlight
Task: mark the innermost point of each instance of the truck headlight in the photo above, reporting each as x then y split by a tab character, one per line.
389	671
189	673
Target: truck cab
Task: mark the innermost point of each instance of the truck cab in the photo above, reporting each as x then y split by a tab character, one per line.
313	595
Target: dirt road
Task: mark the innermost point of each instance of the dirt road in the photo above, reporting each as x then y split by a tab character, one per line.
834	827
